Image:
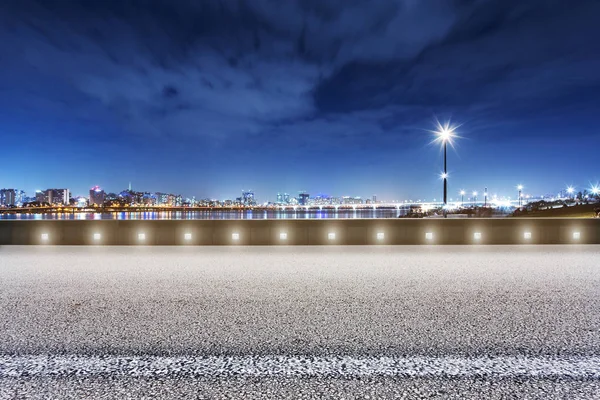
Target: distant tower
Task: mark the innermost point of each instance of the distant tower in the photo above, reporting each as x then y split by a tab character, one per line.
374	198
130	186
485	197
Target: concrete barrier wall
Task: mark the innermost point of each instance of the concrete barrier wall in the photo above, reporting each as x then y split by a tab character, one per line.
302	232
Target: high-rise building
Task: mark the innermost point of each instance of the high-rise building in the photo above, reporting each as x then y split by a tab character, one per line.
248	198
97	196
286	198
41	196
53	196
59	196
374	198
303	198
8	197
279	198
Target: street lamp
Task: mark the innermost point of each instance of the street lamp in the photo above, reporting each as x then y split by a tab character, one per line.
475	199
445	134
520	187
462	198
595	189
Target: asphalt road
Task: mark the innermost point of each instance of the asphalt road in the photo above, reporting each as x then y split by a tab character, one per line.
300	322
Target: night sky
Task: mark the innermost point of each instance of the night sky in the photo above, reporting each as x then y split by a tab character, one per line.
208	97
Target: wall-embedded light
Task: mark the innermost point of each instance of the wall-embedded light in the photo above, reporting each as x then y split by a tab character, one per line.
527	235
331	236
187	236
141	236
45	236
380	236
477	235
429	235
97	236
235	236
283	235
576	235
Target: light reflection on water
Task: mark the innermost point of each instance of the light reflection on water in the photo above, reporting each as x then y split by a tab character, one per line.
212	215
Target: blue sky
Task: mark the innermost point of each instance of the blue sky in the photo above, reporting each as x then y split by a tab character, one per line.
329	96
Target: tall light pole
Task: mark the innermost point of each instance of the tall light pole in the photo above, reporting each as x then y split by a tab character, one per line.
445	134
520	187
475	199
462	198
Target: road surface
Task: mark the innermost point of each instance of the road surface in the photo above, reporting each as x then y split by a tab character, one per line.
300	322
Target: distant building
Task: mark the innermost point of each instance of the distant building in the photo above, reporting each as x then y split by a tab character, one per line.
41	197
352	200
97	196
8	197
374	198
248	198
303	199
279	198
53	196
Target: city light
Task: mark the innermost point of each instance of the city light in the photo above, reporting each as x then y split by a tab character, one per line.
443	175
570	189
595	189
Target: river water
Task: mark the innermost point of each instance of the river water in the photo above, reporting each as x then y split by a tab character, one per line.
215	214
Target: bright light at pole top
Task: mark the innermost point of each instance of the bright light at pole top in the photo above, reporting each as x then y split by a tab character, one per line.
570	189
520	187
445	133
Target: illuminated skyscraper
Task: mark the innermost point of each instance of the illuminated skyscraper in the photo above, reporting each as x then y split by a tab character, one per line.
96	196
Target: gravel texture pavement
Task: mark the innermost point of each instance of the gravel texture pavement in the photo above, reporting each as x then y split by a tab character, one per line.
380	308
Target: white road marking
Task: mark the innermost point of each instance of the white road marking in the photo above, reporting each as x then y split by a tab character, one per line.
300	366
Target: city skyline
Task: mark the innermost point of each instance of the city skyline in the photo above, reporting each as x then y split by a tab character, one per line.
320	96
